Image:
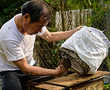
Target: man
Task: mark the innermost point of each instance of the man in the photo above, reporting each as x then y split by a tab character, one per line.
85	50
17	37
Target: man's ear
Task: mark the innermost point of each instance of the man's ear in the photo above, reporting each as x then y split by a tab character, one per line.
27	18
41	19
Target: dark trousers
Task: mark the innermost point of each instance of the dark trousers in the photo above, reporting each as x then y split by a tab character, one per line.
15	80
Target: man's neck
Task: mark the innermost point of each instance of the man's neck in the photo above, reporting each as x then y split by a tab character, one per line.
19	23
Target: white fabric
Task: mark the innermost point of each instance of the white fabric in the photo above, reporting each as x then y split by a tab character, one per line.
43	31
14	46
90	44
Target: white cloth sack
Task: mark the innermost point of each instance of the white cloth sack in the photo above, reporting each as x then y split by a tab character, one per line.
90	44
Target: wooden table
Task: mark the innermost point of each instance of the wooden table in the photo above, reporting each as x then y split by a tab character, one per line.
73	82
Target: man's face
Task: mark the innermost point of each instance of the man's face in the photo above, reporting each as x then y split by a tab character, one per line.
34	27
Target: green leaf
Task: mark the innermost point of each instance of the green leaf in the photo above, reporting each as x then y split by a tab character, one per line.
48	1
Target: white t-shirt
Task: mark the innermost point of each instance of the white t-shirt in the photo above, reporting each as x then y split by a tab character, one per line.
90	44
14	46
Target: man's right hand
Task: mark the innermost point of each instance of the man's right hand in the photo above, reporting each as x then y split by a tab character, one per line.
60	70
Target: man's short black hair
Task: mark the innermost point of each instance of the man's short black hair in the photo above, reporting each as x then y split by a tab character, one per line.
34	8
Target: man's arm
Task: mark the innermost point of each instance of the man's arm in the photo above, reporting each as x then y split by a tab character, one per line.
35	70
56	36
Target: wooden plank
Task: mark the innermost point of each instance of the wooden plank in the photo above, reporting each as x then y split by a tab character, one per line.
47	87
95	85
75	79
70	80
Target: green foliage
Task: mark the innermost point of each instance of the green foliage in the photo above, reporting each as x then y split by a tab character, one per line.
107	87
48	1
54	4
97	18
107	1
81	4
9	9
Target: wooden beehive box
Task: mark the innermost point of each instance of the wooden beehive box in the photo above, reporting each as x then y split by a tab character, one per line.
73	82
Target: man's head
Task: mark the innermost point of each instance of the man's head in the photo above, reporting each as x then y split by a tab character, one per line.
35	16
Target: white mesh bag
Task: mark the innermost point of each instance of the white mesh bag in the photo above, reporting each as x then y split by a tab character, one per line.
90	44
